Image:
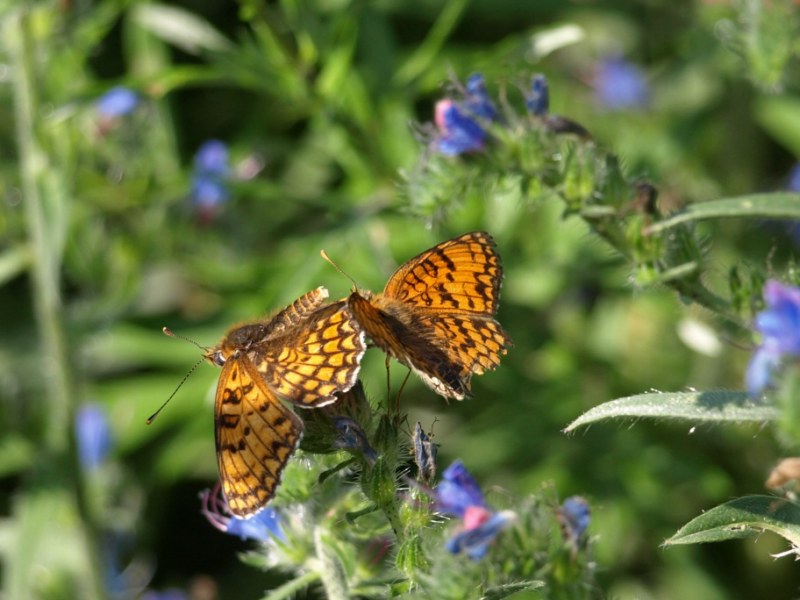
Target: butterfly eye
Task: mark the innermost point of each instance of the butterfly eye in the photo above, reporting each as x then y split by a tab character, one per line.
218	359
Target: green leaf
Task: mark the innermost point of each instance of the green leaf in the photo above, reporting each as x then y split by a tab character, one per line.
429	50
13	262
742	517
779	205
714	406
509	589
780	115
16	453
179	27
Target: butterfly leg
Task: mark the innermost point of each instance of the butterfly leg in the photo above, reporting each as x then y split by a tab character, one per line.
388	383
400	392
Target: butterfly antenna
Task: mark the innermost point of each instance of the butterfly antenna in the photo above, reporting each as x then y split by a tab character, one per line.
172	334
167	331
152	417
324	255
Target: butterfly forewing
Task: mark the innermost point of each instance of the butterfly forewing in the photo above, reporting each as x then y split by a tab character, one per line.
255	436
460	275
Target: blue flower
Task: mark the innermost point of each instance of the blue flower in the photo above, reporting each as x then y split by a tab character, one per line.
93	436
779	325
537	101
208	191
458	133
475	542
458	491
619	84
477	101
793	184
210	178
574	517
212	159
264	526
117	102
460	495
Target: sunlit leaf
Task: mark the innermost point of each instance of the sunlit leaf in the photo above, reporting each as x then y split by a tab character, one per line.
714	406
742	517
182	28
509	589
782	205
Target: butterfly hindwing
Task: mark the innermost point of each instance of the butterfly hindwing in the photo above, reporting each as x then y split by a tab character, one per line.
475	343
295	313
317	360
398	333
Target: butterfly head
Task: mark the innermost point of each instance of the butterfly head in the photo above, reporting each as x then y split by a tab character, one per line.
216	356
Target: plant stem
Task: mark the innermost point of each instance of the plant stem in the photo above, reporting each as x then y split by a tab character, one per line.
54	484
291	588
45	266
330	569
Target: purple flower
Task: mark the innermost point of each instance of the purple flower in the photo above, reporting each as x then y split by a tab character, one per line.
574	517
458	133
537	101
619	84
117	102
93	436
264	526
460	495
779	325
477	101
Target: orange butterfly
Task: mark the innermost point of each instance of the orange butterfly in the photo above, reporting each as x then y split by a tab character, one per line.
305	354
436	314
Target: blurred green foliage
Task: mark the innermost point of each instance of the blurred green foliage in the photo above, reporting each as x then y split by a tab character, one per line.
101	245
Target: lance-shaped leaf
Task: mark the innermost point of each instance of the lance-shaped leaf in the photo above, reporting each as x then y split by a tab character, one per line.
714	406
779	205
742	517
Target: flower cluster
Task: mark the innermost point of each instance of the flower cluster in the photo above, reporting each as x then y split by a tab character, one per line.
462	124
779	325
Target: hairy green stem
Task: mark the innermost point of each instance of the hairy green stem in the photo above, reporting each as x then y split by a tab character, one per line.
330	569
45	268
291	588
